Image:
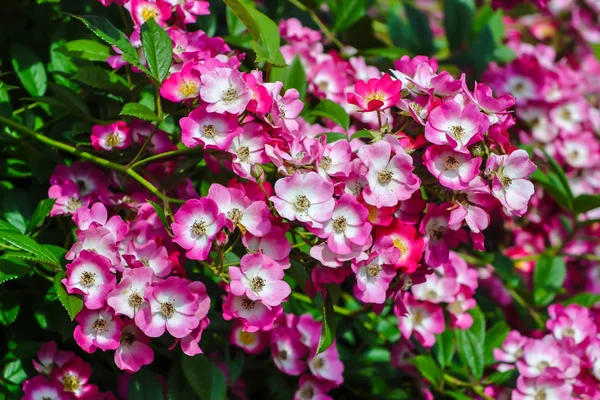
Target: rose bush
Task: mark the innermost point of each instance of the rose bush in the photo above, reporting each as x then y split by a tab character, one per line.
308	200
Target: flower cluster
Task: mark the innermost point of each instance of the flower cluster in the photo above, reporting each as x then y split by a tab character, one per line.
62	376
293	342
565	363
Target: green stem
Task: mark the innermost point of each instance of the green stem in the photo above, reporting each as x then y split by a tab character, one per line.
163	155
144	146
88	157
320	24
519	299
475	387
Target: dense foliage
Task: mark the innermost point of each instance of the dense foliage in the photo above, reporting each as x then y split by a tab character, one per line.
300	199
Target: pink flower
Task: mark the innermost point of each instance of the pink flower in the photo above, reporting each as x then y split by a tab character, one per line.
212	130
97	329
41	388
424	320
250	342
285	110
143	10
134	351
439	238
304	197
171	306
287	351
544	386
74	377
180	86
454	170
128	296
111	137
311	388
259	278
456	126
327	366
310	331
50	357
348	225
151	257
407	241
373	278
512	348
376	94
248	149
437	289
541	357
509	184
572	322
274	245
253	314
190	344
224	90
99	240
68	199
390	179
196	224
90	276
239	210
335	160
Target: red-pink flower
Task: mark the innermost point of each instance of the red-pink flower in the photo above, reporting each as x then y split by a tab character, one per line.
111	137
134	351
97	329
376	94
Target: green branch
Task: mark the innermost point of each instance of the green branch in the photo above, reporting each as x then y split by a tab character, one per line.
84	155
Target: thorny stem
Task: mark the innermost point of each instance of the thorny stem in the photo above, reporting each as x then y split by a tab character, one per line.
88	157
320	24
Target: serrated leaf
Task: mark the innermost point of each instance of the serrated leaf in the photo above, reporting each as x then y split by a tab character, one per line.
86	49
264	31
548	277
470	352
12	269
106	31
478	327
328	324
334	112
160	212
444	348
145	385
428	368
557	169
30	246
40	213
72	303
158	49
139	111
9	310
29	69
494	338
503	378
100	78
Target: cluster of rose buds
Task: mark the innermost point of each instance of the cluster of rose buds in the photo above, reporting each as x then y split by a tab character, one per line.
62	375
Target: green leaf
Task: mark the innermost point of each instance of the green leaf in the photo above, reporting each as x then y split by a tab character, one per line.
235	364
158	49
335	136
29	69
145	385
458	21
12	269
139	111
470	352
557	169
264	31
428	368
583	299
505	268
106	31
30	246
420	28
553	187
548	277
334	112
329	324
296	77
362	134
349	12
205	378
586	202
506	378
73	304
478	327
160	212
86	49
9	309
493	340
40	213
458	395
101	78
444	348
